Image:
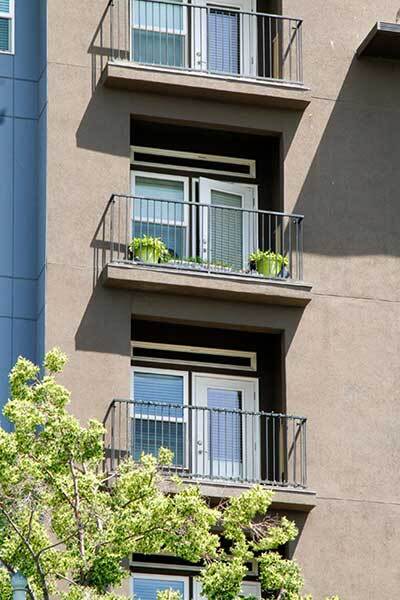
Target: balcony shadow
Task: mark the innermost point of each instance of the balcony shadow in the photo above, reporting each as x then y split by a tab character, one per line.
105	323
350	193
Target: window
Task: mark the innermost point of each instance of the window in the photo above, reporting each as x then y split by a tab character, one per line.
159	414
158	33
160	210
6	26
146	587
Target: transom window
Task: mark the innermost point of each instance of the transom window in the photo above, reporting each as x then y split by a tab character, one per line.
7	26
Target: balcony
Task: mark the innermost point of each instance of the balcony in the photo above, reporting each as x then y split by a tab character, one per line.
204	249
211	445
199	49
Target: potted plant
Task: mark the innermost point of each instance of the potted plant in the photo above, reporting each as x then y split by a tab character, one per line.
149	249
268	263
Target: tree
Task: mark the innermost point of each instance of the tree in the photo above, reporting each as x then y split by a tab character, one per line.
67	525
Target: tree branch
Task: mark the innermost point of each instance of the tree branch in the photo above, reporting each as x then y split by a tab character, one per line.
35	558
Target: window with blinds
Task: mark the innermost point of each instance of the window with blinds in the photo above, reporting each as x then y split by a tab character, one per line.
164	219
6	25
158	419
158	33
147	588
226	229
224	41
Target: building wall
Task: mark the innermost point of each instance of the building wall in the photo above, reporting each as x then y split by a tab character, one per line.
22	189
341	171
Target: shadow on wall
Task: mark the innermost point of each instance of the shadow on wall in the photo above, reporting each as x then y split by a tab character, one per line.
350	197
105	323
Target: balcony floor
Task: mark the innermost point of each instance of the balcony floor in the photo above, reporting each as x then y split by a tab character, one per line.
242	288
274	93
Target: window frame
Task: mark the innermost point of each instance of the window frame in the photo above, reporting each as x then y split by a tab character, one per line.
157	576
185	403
185	222
10	15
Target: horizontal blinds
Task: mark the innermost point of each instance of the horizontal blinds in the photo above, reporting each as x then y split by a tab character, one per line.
226	229
225	426
173	236
223	40
5	6
160	16
161	426
172	192
5	34
147	589
150	435
160	388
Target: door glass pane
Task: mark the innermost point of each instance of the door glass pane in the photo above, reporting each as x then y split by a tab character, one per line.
223	40
225	432
147	589
161	425
163	219
158	33
225	233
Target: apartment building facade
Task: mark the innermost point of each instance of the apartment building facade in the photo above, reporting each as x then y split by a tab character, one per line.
218	183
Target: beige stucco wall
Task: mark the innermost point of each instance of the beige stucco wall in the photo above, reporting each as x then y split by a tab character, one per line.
342	351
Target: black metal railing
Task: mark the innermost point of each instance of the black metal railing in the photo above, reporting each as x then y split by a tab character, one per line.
207	39
202	237
210	444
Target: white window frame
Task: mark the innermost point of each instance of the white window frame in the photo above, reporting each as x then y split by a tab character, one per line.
215	158
251	454
10	15
184	420
252	356
156	576
206	186
164	177
166	30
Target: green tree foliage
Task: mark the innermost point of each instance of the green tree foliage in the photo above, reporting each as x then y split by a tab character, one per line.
66	526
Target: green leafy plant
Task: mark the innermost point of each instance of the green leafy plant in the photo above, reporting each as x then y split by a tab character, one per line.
149	249
268	263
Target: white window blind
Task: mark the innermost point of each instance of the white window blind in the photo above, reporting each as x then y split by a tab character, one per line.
163	219
148	588
224	40
226	229
162	425
6	25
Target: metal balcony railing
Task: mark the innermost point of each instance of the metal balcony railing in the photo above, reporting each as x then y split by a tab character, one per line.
210	444
202	237
207	39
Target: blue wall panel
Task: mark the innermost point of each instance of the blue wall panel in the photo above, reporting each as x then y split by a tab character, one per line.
23	98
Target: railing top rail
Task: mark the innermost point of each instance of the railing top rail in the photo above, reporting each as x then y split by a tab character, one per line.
202	7
201	204
202	408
